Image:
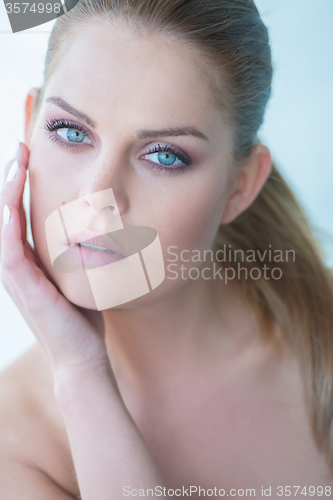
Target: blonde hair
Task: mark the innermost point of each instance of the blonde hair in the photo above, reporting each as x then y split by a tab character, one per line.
234	42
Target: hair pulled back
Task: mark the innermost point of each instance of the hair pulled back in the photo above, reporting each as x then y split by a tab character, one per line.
233	41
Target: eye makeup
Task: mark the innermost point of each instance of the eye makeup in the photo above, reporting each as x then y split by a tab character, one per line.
53	125
173	151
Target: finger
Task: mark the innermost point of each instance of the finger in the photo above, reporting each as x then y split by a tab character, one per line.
20	274
10	158
12	195
23	276
21	155
12	182
23	159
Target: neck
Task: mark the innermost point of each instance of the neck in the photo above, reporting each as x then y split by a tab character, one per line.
151	344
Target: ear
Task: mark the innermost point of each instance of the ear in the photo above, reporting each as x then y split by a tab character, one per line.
248	183
30	114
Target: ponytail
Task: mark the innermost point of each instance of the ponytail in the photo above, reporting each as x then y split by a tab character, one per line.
300	296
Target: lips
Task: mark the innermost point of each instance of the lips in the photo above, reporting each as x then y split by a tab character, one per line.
88	251
102	243
93	247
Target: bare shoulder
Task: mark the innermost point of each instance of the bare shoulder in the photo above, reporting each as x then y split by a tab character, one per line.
259	431
34	449
281	428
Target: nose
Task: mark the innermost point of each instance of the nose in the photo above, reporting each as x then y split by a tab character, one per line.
107	173
100	200
104	204
91	213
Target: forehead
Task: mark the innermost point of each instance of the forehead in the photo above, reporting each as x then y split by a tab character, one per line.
106	69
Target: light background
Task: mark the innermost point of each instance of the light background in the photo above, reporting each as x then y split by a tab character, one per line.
298	125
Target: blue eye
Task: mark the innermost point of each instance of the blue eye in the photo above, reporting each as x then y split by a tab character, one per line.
69	131
73	135
165	158
169	159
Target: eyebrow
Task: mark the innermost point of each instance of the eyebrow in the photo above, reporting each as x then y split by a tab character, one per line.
61	103
141	134
172	132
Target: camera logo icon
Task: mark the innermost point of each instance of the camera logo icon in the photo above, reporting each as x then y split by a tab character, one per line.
87	236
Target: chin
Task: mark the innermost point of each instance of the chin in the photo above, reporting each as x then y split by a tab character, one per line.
76	289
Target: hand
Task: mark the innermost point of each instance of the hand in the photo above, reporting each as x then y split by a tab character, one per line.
72	338
73	341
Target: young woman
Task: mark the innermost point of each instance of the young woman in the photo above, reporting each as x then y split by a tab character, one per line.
219	379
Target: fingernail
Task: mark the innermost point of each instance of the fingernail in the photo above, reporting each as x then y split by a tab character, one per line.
13	171
13	150
6	214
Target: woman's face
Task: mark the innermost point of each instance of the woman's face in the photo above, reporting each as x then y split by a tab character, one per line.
121	96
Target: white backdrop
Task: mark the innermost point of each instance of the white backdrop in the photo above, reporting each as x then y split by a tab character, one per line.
298	126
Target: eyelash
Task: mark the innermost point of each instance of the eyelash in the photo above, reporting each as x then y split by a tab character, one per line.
180	155
54	124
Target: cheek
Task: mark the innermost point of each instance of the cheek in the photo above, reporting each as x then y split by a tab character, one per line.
47	194
51	182
194	218
46	197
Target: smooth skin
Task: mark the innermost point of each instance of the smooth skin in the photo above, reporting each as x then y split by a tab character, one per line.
172	389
